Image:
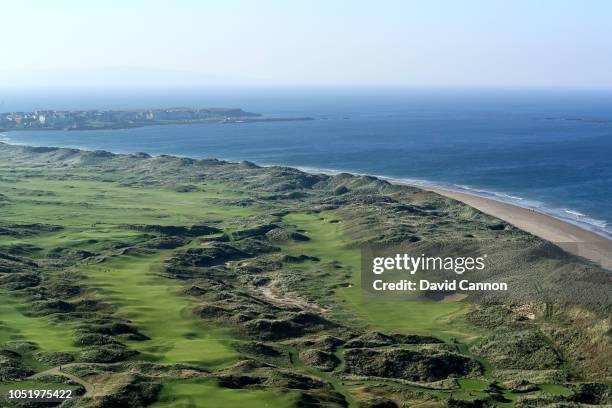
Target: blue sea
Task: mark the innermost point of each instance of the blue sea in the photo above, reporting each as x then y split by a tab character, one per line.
550	150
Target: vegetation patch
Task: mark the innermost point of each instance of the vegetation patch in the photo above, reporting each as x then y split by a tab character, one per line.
164	281
525	350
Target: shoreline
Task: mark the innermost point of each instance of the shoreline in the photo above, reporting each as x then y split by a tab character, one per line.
571	238
593	246
546	225
142	125
537	223
566	215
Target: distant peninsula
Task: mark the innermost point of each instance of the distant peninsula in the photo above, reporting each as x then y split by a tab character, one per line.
120	119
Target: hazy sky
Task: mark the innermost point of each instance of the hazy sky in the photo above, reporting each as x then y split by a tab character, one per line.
424	42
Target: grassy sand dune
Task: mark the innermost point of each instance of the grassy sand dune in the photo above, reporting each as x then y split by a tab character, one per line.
176	282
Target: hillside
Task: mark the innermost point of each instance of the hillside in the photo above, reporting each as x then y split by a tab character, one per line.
142	281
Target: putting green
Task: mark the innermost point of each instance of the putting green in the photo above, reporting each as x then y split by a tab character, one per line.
206	394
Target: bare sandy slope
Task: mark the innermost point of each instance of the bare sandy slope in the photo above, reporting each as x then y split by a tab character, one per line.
570	237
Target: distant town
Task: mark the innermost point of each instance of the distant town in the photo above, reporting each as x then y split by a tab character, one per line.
118	119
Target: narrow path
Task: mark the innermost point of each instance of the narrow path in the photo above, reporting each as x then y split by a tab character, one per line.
89	387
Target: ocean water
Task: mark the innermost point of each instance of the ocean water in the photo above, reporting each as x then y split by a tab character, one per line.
550	150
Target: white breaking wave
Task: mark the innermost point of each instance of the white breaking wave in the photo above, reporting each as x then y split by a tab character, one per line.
580	218
489	192
576	213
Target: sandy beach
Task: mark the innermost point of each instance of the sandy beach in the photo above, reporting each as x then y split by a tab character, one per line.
536	223
568	236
